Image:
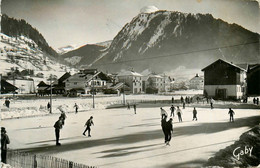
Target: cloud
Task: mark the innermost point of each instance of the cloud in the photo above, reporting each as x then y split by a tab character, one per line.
149	9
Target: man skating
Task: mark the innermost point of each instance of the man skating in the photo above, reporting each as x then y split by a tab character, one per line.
169	130
194	114
178	111
88	125
163	124
211	103
172	110
163	112
76	108
231	115
4	141
58	126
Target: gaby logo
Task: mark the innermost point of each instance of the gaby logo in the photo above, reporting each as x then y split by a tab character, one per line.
238	152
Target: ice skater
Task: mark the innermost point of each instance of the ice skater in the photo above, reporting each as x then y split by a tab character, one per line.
163	112
76	108
58	126
169	131
211	103
179	113
63	116
4	141
163	124
135	108
172	110
194	114
183	105
7	103
88	125
231	115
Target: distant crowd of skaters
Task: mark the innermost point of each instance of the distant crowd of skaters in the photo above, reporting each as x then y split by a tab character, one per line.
167	126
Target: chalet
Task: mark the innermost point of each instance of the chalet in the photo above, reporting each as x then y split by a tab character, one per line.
133	80
42	88
197	82
224	80
59	85
253	80
87	80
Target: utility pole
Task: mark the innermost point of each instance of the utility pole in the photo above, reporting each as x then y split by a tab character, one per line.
124	93
93	93
51	94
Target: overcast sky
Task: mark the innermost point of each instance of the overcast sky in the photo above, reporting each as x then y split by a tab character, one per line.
80	22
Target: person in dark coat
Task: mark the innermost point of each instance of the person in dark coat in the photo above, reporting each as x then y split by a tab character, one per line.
257	101
172	110
135	108
231	115
48	105
178	111
183	105
4	141
194	114
88	125
58	127
211	103
7	103
169	130
163	124
76	108
172	99
181	99
254	100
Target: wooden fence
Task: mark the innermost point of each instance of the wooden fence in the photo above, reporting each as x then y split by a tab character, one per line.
24	160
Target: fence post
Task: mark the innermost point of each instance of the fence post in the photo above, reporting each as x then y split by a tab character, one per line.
70	164
34	162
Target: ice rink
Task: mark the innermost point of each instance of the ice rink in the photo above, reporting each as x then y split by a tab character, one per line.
121	138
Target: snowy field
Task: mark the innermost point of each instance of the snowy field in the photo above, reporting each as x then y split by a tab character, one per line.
121	138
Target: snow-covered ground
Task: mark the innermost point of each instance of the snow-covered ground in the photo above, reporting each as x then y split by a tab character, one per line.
121	138
37	106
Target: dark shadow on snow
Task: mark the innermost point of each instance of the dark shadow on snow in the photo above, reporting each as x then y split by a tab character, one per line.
200	128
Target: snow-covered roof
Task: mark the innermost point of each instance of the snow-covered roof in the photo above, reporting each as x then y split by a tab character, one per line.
230	63
129	73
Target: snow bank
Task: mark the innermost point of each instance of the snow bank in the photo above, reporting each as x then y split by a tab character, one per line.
5	165
238	154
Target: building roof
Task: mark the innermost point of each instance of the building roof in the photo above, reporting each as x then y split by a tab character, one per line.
129	73
230	63
42	84
6	86
64	77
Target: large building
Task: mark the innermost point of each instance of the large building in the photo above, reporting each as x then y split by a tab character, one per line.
197	82
133	80
224	80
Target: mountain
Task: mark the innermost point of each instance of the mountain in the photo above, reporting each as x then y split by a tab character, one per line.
22	47
83	55
14	28
164	40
